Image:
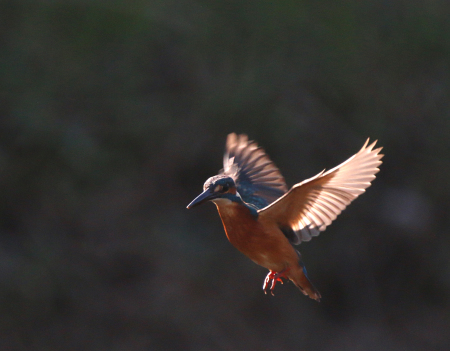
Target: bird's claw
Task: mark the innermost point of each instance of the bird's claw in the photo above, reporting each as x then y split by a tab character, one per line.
274	277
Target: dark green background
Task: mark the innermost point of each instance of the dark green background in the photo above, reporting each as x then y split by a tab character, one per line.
113	114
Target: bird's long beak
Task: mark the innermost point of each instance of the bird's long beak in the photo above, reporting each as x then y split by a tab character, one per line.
202	198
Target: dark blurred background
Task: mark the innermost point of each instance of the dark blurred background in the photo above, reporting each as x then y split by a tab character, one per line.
113	114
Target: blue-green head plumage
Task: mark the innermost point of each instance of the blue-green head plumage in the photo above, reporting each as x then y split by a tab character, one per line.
221	187
220	182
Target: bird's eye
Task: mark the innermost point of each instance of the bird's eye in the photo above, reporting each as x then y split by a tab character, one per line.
225	188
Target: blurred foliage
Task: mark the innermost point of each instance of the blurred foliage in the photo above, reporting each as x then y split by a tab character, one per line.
113	114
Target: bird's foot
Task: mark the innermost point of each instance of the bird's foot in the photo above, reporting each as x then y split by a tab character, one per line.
274	277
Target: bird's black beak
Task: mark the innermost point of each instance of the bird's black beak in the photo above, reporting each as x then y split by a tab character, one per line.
202	198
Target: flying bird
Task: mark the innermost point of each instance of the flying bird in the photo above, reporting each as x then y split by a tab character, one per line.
263	220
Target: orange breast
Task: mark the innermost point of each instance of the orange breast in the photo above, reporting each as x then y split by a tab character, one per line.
264	243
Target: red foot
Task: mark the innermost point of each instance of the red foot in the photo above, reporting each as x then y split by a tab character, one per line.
274	277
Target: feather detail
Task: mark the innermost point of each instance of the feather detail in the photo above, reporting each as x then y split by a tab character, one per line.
258	181
310	206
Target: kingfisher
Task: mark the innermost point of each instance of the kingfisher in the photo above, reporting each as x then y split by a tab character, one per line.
263	220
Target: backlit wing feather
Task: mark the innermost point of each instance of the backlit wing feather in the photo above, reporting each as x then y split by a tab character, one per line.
310	206
258	180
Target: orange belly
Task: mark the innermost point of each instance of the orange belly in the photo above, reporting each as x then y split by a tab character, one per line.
263	243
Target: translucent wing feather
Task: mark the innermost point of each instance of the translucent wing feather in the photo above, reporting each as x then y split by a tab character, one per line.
258	180
310	206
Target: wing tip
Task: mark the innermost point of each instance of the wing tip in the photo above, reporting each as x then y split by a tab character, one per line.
248	163
370	147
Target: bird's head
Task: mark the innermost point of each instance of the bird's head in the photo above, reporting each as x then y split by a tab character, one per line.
215	188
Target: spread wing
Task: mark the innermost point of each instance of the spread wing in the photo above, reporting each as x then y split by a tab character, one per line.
258	180
310	206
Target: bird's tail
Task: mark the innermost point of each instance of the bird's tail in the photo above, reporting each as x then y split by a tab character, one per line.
300	278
